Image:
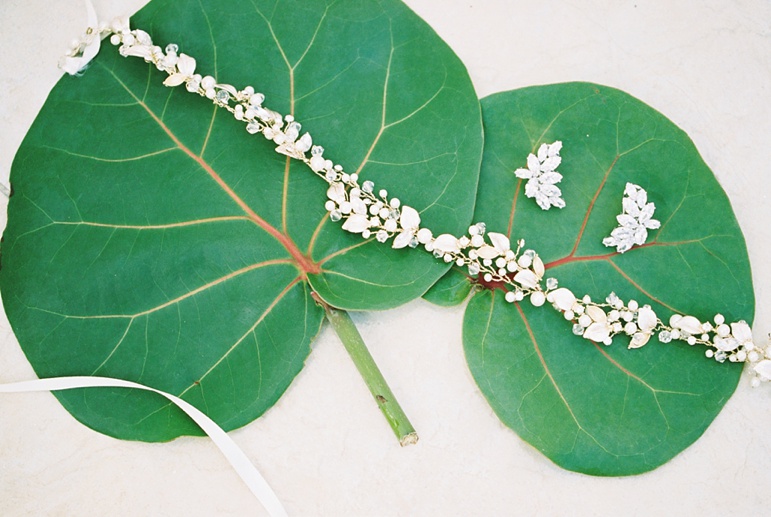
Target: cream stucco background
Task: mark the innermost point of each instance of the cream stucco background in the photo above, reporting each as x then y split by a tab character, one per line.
324	448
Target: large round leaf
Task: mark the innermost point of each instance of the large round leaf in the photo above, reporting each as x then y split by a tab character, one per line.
151	238
590	408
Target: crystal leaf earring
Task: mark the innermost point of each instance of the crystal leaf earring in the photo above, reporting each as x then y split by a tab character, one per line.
542	177
634	221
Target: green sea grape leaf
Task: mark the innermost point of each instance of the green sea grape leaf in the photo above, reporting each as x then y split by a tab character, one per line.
450	290
591	408
151	238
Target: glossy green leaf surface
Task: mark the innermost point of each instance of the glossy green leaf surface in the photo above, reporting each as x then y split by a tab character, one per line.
591	408
450	290
151	238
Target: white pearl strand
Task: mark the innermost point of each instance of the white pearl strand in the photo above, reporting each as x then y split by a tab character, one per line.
487	256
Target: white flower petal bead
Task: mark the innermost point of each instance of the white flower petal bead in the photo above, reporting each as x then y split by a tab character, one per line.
538	267
726	345
741	331
526	279
446	243
499	241
763	369
597	332
563	298
690	325
646	319
597	314
487	252
639	339
409	218
356	223
336	192
403	239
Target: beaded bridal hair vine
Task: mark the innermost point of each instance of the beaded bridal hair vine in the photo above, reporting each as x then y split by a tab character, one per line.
487	256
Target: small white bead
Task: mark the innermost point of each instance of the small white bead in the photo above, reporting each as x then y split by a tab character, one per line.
569	315
719	319
511	297
395	203
633	305
383	192
537	298
488	277
424	235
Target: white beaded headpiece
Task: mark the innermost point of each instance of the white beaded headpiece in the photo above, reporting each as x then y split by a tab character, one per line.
488	256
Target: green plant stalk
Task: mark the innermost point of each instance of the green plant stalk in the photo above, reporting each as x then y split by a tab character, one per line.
343	324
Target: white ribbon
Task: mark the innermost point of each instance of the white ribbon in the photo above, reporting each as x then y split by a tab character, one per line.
235	456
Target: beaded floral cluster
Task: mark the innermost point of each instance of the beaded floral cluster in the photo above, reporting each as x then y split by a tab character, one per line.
634	221
488	257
